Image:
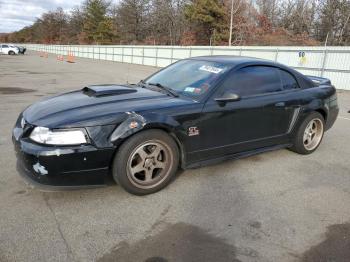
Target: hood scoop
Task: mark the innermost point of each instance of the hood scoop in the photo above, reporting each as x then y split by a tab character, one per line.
107	90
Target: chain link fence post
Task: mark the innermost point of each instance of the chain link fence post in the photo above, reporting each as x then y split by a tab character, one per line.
171	54
276	54
156	56
325	53
143	55
122	54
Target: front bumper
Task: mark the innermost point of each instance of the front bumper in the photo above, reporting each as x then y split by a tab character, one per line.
59	168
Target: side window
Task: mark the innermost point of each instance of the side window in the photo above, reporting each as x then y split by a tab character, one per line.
288	81
253	80
5	46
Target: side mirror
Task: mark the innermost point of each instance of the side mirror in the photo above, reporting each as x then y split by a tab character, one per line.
228	97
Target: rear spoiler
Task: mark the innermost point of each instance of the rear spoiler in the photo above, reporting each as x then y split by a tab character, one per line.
319	80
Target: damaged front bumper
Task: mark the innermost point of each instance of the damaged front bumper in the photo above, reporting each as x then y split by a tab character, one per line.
54	168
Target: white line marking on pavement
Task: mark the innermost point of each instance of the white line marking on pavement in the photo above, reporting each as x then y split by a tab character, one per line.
344	118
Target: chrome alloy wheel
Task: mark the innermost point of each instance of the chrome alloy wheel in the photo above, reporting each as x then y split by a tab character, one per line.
149	164
313	134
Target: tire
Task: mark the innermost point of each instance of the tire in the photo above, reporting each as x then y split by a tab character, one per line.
307	140
146	162
11	53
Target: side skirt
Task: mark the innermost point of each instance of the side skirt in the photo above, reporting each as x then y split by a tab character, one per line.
236	156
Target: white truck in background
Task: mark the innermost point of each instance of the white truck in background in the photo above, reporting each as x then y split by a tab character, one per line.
8	49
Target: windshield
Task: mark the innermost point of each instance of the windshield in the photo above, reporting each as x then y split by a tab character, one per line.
190	77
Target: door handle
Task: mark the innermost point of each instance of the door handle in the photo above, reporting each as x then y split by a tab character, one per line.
280	104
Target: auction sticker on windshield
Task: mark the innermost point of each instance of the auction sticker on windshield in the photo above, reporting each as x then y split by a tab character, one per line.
211	69
195	90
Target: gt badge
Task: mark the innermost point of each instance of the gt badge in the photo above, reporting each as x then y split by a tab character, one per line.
193	131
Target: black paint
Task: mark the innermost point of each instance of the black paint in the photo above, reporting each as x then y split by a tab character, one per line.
231	129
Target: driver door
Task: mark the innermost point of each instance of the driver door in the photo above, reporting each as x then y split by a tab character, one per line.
260	118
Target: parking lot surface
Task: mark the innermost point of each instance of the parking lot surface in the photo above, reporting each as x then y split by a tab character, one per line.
277	206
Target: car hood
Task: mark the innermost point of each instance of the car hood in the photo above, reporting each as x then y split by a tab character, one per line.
97	105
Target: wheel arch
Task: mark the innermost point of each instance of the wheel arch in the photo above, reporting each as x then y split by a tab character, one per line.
305	112
317	105
299	132
123	132
172	134
323	112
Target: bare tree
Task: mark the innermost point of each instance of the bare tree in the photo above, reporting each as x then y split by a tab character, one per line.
298	16
132	19
173	22
168	21
269	9
333	21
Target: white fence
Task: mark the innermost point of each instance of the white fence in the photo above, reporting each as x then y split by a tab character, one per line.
330	62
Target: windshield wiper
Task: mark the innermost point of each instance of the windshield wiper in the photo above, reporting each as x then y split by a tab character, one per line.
142	83
167	89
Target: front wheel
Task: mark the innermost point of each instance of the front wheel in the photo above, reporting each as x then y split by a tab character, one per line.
309	135
146	162
11	53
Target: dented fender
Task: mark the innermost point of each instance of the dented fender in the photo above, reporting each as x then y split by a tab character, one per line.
136	122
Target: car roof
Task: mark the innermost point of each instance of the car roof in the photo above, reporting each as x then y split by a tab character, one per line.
242	61
231	59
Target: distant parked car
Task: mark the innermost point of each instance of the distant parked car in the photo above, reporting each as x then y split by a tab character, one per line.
9	49
21	49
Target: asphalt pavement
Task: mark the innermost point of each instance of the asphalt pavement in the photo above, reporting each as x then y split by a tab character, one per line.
277	206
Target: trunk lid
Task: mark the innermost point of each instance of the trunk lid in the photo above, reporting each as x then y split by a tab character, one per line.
318	81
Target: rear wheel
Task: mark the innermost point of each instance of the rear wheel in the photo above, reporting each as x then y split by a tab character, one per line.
146	162
11	52
309	134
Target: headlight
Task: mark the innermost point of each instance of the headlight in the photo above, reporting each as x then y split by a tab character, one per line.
44	135
23	122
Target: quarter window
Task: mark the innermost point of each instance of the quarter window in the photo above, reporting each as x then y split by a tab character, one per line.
253	80
288	81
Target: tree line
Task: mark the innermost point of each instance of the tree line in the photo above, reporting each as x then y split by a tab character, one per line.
193	22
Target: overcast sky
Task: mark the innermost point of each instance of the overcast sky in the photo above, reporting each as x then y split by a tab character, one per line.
15	14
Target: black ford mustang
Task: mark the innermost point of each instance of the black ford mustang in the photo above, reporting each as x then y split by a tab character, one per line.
195	112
